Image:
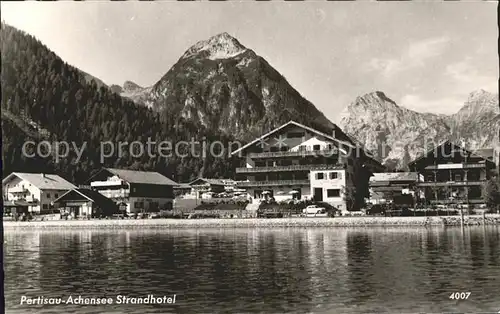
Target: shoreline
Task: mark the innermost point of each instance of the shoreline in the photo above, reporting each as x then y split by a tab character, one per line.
490	219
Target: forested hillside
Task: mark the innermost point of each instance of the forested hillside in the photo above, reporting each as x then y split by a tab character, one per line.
38	86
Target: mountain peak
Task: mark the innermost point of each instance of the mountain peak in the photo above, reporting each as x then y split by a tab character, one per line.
392	132
224	35
376	98
480	94
130	86
478	102
220	46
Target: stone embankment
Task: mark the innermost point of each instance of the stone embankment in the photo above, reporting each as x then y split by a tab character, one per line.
491	219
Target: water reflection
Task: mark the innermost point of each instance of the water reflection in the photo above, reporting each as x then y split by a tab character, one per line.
259	270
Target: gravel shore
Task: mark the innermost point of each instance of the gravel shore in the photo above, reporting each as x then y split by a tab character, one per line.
490	219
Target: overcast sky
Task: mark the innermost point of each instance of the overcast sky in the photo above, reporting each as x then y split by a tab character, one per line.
426	56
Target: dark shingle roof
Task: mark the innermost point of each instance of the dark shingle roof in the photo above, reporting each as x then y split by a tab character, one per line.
144	177
91	195
42	181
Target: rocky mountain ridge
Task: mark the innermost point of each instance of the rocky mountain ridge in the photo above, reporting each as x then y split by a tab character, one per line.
397	135
220	84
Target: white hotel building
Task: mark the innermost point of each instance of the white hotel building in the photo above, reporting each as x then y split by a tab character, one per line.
33	192
295	161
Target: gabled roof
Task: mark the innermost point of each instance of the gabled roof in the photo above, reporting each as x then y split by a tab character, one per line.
447	142
209	181
488	153
394	176
91	195
291	122
142	177
41	180
182	186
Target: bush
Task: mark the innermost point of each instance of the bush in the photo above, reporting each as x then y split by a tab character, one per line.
203	215
170	215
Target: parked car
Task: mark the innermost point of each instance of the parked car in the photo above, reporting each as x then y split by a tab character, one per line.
315	211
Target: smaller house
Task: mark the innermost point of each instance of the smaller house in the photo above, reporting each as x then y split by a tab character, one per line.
84	202
135	191
32	192
182	189
202	186
393	187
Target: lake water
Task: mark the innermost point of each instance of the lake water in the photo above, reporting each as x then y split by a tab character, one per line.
318	270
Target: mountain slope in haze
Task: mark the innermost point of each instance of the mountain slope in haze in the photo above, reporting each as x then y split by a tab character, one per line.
220	84
397	135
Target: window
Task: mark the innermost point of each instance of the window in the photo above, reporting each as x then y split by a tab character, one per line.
302	176
302	148
458	177
286	162
320	176
349	161
56	195
316	147
333	193
44	206
48	195
260	177
333	175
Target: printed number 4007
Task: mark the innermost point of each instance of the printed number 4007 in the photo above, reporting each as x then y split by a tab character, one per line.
459	295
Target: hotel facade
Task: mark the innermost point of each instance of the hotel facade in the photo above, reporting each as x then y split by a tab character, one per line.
295	161
451	174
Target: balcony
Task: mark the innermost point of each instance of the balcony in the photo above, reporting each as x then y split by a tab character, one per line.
295	153
290	168
108	183
456	166
17	189
452	183
114	194
271	183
